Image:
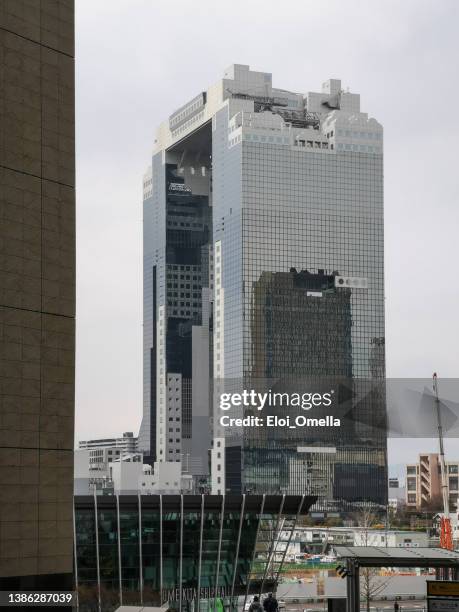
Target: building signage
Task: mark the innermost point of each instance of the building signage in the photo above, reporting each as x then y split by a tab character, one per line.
179	187
191	594
353	282
444	588
443	604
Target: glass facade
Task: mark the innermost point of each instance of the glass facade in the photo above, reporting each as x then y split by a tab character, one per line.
177	237
272	203
154	246
314	212
150	538
301	238
108	552
185	550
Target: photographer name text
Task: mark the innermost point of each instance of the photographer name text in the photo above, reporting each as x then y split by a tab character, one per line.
277	421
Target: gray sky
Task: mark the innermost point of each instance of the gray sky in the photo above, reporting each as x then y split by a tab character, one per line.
138	60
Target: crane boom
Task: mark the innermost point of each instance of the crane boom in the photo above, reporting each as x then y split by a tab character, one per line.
444	485
446	536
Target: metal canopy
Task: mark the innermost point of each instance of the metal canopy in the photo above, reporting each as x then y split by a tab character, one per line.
375	556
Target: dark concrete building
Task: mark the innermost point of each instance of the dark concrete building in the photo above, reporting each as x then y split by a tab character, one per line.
37	292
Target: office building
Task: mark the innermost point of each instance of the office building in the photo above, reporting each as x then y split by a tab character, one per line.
263	260
423	483
37	294
126	474
127	443
99	458
93	459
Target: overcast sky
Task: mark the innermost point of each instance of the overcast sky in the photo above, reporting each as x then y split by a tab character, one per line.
138	60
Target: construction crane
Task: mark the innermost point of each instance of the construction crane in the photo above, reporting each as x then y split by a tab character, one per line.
446	535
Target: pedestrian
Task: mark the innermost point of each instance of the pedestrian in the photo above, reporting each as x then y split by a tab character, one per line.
396	606
270	604
255	606
219	607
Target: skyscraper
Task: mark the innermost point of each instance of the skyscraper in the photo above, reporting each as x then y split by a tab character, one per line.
287	257
37	294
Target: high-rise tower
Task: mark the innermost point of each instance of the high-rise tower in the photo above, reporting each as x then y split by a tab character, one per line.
263	257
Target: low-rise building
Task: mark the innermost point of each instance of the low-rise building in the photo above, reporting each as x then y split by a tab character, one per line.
99	453
88	477
423	483
129	478
127	443
126	474
391	538
322	540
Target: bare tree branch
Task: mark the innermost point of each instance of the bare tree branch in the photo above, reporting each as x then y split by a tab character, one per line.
371	583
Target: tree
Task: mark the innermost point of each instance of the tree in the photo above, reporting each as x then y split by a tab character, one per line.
371	583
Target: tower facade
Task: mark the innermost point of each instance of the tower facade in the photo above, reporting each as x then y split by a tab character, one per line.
291	278
37	294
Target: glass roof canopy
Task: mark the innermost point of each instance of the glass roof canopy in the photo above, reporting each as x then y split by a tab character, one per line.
149	550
